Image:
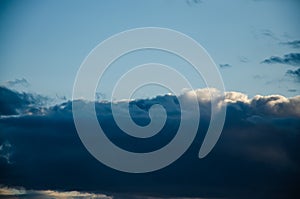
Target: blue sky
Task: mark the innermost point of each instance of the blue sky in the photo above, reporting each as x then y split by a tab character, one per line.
46	41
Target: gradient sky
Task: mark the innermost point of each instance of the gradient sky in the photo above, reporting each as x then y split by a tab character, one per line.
46	41
43	152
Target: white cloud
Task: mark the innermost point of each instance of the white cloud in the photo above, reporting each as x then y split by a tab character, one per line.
233	97
17	192
7	191
275	105
71	194
47	194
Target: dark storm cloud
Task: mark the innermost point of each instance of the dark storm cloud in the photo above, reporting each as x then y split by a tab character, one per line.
293	44
11	102
258	149
289	59
15	103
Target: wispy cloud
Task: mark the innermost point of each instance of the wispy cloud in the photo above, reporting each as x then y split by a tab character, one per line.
268	33
288	59
6	151
294	73
293	44
8	191
243	59
17	82
193	2
17	192
292	90
225	65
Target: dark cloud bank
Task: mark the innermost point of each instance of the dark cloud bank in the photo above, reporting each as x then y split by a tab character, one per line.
257	155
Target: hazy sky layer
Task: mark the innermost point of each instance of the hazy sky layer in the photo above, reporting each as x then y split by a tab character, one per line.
46	41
